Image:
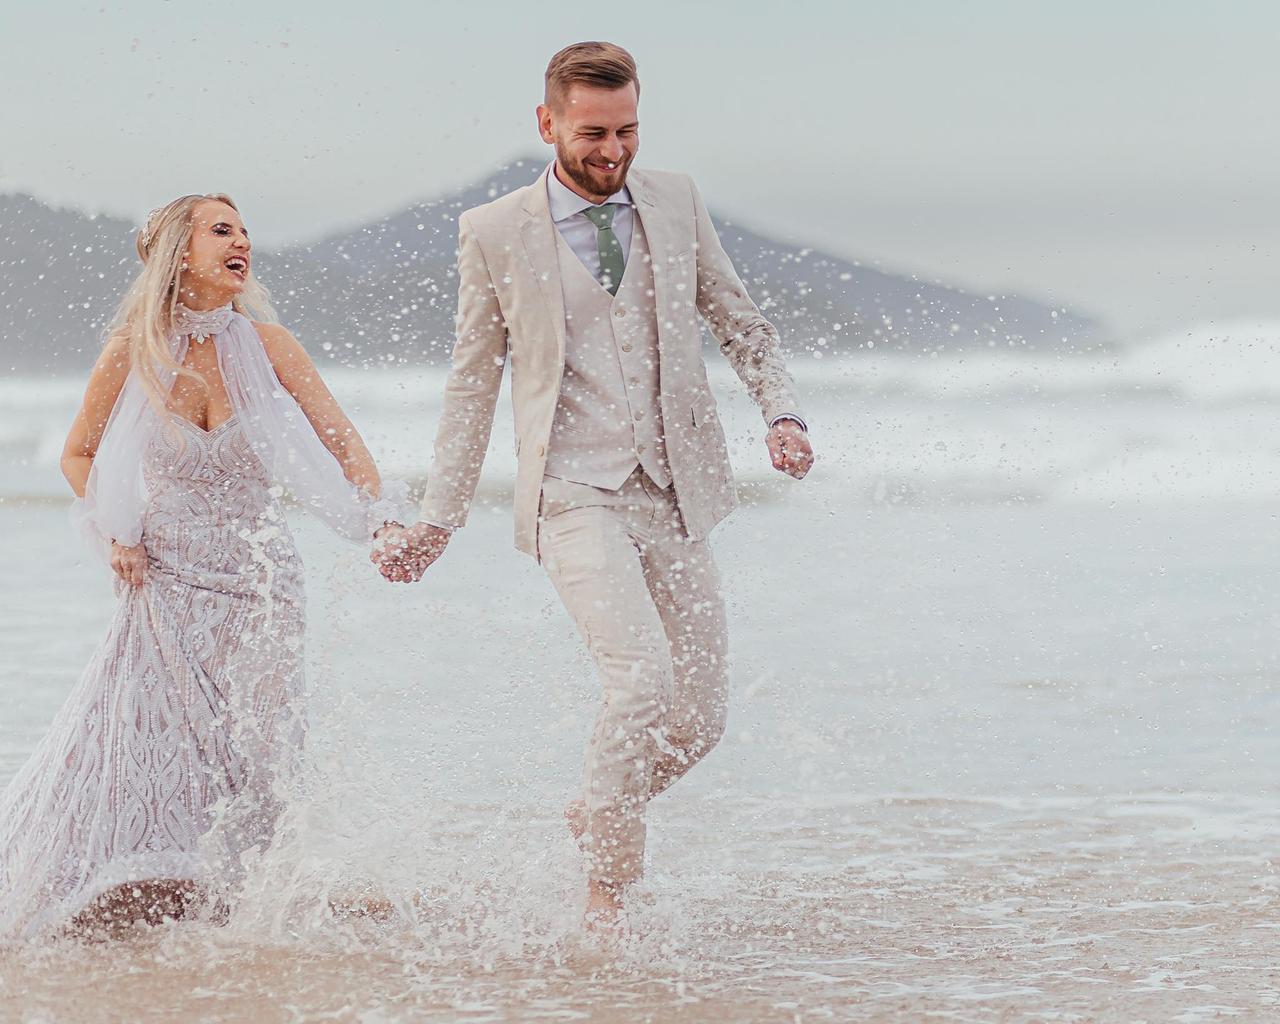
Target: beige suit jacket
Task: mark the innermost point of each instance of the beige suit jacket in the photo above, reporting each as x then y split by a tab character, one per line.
511	309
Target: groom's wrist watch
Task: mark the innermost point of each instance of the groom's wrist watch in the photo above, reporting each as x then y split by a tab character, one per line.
387	523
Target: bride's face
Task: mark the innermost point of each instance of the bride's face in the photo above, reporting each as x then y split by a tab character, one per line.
217	259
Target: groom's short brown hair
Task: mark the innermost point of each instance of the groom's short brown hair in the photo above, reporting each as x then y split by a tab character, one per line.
603	65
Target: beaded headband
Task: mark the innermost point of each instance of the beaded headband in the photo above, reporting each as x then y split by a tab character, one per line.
147	235
147	228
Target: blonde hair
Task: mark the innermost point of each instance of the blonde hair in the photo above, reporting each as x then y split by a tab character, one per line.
603	65
145	319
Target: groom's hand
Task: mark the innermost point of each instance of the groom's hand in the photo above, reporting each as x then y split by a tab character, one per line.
403	555
789	448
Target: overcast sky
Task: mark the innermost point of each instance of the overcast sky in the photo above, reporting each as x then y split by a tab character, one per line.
1117	157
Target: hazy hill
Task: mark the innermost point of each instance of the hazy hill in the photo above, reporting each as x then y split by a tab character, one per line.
385	292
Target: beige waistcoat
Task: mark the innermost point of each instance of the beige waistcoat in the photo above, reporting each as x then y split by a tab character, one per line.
609	416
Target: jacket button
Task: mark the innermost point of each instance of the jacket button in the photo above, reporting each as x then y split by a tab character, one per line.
626	346
621	312
542	450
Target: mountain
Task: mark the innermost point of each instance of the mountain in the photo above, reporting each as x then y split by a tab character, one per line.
385	292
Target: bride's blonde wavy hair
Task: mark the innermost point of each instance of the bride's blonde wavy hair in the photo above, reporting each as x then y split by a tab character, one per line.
147	313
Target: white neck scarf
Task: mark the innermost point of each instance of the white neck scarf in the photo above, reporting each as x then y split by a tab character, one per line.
202	324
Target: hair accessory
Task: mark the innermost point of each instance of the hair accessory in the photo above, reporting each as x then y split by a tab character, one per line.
148	230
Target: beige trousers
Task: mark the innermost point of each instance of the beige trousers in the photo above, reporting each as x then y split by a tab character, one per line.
647	602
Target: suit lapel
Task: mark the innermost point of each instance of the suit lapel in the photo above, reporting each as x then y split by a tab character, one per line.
657	236
538	232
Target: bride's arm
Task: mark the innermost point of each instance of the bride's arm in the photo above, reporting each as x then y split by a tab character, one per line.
100	395
301	379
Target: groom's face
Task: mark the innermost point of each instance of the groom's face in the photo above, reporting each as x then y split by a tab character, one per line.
596	133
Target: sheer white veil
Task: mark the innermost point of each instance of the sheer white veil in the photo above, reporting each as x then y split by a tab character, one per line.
115	499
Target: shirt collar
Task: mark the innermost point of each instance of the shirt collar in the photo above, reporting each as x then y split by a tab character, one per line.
566	203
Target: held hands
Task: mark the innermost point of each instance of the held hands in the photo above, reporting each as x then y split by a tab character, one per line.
403	554
789	448
130	564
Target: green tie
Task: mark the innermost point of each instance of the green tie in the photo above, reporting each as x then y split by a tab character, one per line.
612	263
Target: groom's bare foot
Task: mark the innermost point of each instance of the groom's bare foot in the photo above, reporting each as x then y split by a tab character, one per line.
605	917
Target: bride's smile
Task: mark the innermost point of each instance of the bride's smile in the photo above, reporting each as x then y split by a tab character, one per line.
218	257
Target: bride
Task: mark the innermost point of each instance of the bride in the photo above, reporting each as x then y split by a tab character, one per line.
165	765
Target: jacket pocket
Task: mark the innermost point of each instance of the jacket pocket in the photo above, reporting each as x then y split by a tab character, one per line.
703	411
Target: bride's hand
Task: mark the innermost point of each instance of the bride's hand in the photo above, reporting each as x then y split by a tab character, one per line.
130	564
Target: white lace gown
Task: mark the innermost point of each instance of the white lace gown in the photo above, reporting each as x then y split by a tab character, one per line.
166	760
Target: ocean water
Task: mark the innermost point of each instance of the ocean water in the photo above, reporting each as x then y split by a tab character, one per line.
1001	743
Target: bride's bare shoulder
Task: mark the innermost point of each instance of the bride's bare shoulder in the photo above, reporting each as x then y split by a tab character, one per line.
273	333
277	339
283	350
114	357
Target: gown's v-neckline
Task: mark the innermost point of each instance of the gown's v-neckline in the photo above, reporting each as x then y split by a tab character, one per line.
201	430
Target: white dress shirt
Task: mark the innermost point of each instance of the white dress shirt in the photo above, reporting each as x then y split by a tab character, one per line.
578	232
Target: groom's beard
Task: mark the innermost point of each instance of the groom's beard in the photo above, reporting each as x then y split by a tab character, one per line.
596	182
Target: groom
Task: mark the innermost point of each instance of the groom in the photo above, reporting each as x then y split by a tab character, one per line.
590	282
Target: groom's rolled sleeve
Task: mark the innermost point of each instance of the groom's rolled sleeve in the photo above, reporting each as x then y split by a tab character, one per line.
479	356
748	340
